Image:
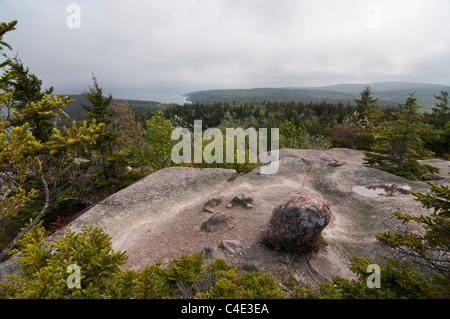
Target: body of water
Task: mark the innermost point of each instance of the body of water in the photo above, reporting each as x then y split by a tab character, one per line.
161	97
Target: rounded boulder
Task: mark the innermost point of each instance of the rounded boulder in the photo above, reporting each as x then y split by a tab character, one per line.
297	221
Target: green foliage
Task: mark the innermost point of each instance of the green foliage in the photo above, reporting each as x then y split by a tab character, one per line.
347	136
185	269
431	247
399	145
4	28
45	274
149	283
255	285
100	111
32	153
399	280
152	283
439	142
45	266
366	102
441	113
357	130
291	135
26	88
159	133
130	142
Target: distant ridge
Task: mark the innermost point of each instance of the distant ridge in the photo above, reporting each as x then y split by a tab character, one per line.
76	111
381	86
388	93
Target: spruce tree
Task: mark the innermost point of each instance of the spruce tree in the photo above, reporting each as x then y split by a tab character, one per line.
27	163
366	101
430	248
439	142
130	140
100	111
442	110
399	144
27	89
371	115
159	132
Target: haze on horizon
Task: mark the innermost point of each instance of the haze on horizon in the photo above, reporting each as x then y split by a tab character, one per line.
138	49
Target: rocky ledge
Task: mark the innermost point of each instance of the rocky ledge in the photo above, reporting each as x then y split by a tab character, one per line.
162	216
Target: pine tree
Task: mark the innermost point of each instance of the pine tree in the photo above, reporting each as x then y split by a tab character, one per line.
45	267
371	114
399	144
4	28
27	88
100	111
431	248
159	132
366	101
442	110
292	135
130	136
438	142
26	162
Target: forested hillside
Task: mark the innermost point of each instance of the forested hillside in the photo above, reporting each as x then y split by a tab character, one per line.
388	93
76	111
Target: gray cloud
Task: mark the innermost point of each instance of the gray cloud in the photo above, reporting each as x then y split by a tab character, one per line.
135	47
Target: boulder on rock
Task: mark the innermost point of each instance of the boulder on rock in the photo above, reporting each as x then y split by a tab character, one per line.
232	246
297	221
219	222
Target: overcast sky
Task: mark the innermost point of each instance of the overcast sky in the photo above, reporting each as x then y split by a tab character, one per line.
140	48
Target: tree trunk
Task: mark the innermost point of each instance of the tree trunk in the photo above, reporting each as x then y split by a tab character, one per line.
44	209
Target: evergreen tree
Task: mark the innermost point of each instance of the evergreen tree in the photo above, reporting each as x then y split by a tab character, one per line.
159	133
26	162
366	101
100	111
430	248
438	142
399	280
4	28
399	144
372	116
291	135
26	88
44	267
442	110
130	136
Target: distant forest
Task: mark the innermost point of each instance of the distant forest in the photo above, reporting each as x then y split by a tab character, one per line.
388	93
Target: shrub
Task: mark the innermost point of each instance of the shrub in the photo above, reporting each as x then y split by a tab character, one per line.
45	273
255	285
45	266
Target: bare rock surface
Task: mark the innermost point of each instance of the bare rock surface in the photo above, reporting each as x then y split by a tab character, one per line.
160	216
